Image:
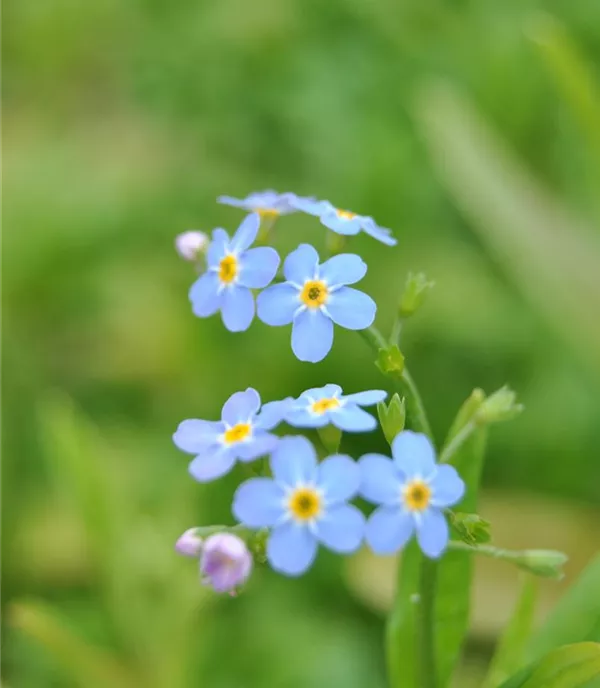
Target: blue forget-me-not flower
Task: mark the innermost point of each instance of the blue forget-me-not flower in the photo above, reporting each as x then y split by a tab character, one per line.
268	204
412	491
314	297
242	433
233	270
344	221
304	504
320	406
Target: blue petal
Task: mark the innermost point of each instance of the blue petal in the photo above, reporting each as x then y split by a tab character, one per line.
291	549
380	482
230	200
301	264
218	247
341	529
340	225
369	398
303	418
258	267
240	407
432	533
345	268
312	207
351	308
258	503
210	465
316	393
261	444
352	418
294	461
339	477
312	335
414	454
277	304
272	413
205	295
447	487
388	530
246	233
382	234
193	436
237	308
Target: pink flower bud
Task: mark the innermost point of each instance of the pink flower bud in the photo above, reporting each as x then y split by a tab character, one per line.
190	244
225	563
189	544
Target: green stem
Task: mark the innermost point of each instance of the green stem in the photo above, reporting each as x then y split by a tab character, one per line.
396	330
457	442
426	622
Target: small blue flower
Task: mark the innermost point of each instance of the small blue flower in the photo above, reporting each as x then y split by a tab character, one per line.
314	297
267	203
232	272
305	503
318	407
242	433
413	492
344	221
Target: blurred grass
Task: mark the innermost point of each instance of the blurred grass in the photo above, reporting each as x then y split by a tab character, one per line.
122	122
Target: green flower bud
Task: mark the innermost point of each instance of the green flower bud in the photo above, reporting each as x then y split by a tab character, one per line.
392	417
416	288
500	406
390	361
542	562
470	528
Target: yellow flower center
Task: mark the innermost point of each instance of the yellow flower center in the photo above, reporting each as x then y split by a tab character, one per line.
417	495
237	433
345	214
314	293
228	269
323	405
267	213
305	504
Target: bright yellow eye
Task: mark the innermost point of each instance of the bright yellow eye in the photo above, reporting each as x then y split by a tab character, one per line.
267	213
345	214
417	495
237	433
305	504
323	405
314	293
228	269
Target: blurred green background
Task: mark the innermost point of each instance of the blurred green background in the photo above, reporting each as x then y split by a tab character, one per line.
122	123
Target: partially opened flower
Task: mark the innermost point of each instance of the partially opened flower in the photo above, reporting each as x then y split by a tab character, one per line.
267	203
242	433
412	491
344	221
233	270
190	244
314	297
305	503
225	563
318	407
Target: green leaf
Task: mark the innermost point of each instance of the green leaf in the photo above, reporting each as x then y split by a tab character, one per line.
510	650
576	616
570	666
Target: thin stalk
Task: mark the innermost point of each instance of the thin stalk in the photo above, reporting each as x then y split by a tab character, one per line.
396	330
425	624
457	442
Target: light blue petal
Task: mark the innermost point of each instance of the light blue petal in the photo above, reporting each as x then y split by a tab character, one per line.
351	308
210	465
294	461
261	444
312	335
277	304
316	393
414	454
352	418
240	407
192	436
432	533
339	225
388	530
301	264
205	296
369	398
272	413
237	308
339	477
258	503
341	529
303	418
218	247
312	207
246	233
380	482
230	200
447	487
345	268
291	549
258	267
382	234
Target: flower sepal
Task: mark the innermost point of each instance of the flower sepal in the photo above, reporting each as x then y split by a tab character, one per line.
390	361
500	406
392	417
470	528
415	290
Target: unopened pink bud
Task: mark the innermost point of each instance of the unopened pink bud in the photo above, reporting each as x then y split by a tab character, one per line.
190	244
189	544
225	563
